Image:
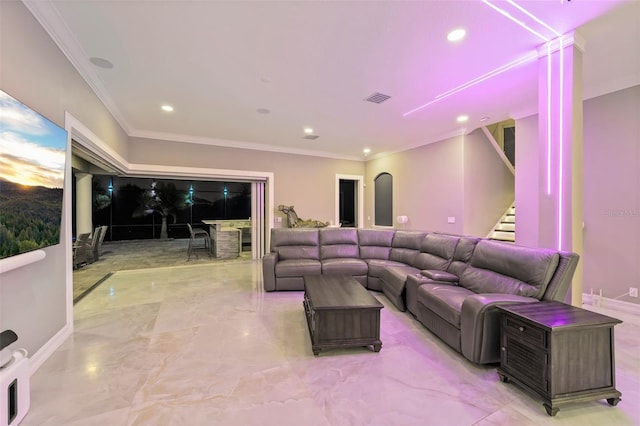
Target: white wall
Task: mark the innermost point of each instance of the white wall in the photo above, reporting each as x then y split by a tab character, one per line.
33	70
428	186
612	194
528	181
488	185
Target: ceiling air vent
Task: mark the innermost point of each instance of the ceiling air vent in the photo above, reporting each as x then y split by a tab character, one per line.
311	137
377	98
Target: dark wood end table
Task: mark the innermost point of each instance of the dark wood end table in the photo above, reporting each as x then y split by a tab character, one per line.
559	352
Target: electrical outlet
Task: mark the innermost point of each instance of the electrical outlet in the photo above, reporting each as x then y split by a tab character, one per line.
633	291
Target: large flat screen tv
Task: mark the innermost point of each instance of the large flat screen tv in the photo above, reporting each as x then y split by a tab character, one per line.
32	164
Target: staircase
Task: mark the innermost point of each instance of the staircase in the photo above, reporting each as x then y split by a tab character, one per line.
505	229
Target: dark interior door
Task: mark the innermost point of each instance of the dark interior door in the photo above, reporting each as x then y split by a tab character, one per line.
348	203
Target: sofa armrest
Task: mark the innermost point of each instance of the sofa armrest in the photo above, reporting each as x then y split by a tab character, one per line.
480	325
441	276
269	261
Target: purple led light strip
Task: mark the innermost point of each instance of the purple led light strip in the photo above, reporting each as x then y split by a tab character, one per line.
561	142
522	60
532	16
548	118
560	211
517	21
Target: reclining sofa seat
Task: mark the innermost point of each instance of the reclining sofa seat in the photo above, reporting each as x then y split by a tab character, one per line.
339	254
405	246
461	258
464	314
294	253
375	250
435	253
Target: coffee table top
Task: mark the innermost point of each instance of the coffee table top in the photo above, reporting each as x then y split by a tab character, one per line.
338	291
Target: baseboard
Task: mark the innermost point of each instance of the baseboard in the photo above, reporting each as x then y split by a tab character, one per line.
605	302
43	354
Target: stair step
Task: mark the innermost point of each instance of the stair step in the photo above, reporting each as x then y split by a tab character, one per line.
502	241
504	235
506	226
508	219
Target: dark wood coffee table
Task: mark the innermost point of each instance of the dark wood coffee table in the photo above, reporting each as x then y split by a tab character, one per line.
340	313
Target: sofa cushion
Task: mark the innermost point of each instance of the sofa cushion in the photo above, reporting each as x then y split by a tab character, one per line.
393	280
294	237
504	268
298	252
440	275
444	300
298	267
344	267
339	243
462	255
375	243
406	246
395	277
436	252
376	266
295	243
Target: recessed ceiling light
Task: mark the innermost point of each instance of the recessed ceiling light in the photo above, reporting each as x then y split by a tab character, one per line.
456	35
101	62
167	108
308	130
263	111
462	118
483	119
366	151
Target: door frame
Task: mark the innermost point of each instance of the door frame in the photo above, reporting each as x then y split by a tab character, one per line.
359	198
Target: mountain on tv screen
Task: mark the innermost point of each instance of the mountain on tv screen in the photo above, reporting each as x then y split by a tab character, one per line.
32	164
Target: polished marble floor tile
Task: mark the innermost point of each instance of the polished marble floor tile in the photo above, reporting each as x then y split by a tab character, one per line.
205	345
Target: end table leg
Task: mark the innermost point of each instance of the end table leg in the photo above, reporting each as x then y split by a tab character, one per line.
613	401
503	378
550	410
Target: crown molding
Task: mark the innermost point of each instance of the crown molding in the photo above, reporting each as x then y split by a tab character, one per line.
172	137
433	139
49	18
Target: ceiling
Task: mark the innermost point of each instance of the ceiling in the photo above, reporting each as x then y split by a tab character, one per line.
254	74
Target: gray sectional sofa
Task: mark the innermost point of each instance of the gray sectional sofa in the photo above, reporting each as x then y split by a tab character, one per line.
450	283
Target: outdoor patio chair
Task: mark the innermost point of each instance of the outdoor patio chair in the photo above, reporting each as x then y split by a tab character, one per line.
81	250
199	239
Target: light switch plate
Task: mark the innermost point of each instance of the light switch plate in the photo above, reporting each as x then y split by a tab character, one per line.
451	219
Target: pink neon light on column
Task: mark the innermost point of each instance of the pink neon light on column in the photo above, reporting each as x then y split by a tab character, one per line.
548	118
561	148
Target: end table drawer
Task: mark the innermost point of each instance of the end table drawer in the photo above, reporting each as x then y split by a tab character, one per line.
525	331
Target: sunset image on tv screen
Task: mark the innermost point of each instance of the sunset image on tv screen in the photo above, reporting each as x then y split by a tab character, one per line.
32	163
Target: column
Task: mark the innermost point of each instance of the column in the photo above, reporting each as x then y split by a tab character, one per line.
560	150
84	221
